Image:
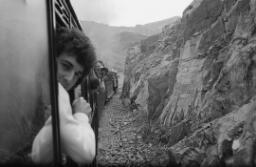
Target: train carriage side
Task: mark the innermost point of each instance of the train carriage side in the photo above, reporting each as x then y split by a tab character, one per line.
24	75
28	87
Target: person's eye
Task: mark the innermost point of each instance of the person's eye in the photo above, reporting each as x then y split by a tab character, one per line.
67	66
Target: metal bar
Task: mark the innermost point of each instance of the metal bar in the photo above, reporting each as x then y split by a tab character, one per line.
53	83
74	15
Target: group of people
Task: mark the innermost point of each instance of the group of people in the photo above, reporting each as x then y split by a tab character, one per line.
75	58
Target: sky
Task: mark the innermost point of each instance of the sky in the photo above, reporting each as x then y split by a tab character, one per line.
128	12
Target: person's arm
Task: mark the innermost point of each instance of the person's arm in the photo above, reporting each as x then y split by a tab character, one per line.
77	136
79	139
42	148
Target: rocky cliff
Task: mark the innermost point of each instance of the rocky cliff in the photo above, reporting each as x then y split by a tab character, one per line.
110	41
196	81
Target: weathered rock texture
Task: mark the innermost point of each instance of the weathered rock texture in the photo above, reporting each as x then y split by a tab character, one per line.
197	80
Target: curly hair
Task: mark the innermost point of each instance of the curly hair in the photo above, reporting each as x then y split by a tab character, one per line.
77	44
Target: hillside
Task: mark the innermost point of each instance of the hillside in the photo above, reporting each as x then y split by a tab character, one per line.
146	29
196	82
110	41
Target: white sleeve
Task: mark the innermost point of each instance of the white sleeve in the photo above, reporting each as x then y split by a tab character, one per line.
77	136
79	139
42	148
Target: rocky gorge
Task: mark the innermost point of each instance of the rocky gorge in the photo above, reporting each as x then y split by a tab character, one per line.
196	84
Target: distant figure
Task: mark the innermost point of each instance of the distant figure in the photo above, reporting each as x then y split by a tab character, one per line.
75	58
115	80
101	89
98	68
105	80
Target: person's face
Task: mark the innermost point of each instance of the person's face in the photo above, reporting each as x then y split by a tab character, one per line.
69	70
98	72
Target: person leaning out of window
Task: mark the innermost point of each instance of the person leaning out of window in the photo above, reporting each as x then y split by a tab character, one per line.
75	58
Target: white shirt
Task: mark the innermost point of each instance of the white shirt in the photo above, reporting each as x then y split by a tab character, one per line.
77	136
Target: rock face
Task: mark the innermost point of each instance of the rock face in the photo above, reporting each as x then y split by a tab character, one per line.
197	79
